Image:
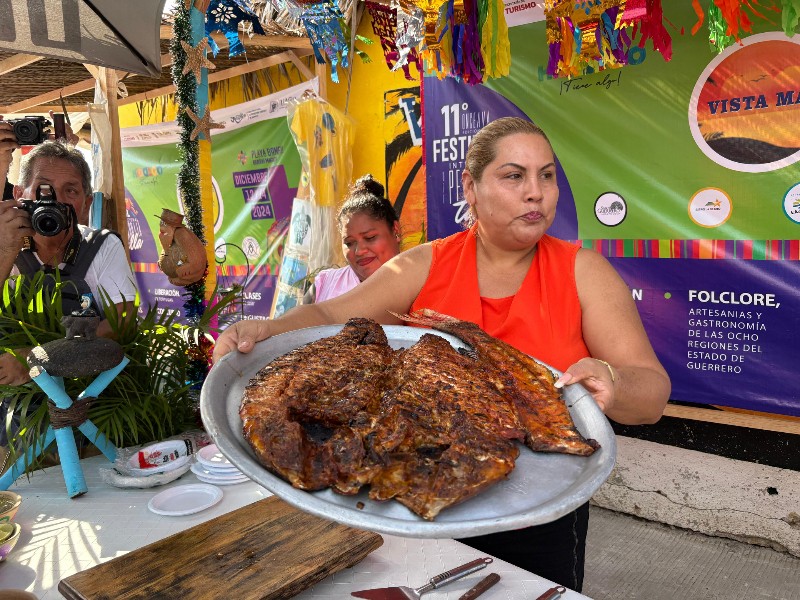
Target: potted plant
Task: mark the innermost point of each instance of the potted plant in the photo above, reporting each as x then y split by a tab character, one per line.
148	401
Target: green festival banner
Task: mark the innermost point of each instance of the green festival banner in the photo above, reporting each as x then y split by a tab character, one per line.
684	174
255	174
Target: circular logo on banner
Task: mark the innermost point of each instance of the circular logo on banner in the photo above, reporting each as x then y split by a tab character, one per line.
610	209
710	207
791	203
220	249
251	247
746	105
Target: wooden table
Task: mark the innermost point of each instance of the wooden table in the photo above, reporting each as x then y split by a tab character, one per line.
62	536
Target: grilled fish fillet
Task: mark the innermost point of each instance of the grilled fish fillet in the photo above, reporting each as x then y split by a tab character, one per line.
306	413
541	412
444	432
427	425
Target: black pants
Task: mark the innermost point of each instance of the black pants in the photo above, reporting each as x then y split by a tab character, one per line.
555	551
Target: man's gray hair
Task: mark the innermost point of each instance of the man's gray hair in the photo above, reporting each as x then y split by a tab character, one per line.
56	149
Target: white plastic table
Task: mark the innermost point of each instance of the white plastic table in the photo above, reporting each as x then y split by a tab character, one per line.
62	536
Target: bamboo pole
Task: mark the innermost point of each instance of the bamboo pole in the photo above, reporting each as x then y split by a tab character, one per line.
109	82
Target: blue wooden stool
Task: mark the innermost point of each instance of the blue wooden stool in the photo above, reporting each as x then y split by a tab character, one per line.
64	436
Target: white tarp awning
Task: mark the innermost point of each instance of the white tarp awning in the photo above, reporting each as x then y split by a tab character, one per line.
121	34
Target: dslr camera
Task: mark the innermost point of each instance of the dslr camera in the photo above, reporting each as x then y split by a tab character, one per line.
49	217
31	131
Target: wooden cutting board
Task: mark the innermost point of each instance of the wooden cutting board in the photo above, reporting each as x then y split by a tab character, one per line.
266	550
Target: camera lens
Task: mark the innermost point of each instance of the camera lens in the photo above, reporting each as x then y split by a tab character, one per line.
47	226
48	222
26	131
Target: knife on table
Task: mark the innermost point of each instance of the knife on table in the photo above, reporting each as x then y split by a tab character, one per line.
553	593
480	587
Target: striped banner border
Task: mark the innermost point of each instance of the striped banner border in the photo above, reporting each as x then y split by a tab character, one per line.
222	270
705	249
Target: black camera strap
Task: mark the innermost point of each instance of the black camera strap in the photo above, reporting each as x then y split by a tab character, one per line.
71	251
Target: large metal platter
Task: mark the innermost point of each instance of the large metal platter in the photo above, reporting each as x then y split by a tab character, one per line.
541	488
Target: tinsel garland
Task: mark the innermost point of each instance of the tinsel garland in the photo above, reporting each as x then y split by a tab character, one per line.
189	183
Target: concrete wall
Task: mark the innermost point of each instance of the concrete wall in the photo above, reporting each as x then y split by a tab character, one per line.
710	494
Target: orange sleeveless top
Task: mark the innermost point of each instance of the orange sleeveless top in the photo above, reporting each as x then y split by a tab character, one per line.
543	319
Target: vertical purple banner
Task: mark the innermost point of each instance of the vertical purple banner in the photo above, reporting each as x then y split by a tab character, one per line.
453	113
153	284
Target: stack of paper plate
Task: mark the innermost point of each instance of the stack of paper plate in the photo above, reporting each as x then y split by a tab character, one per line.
213	467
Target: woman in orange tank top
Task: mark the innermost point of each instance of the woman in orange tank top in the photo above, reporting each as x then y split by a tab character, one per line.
564	305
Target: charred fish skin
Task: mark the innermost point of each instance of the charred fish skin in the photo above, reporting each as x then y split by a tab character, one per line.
424	426
434	389
539	407
445	433
318	444
428	426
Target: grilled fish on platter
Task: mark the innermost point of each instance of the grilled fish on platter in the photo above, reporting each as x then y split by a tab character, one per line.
427	425
306	413
541	412
444	432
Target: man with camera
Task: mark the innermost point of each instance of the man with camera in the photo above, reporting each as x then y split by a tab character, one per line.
41	230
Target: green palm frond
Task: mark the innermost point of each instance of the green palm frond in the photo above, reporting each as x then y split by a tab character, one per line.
148	401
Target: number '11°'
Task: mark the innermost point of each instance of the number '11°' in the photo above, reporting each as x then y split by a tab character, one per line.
452	112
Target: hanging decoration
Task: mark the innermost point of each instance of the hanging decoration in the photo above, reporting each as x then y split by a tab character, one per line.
651	27
634	10
387	27
592	35
225	16
449	52
583	36
468	39
430	12
467	63
410	32
202	125
324	23
700	16
464	39
727	18
495	46
734	16
434	48
196	58
718	36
